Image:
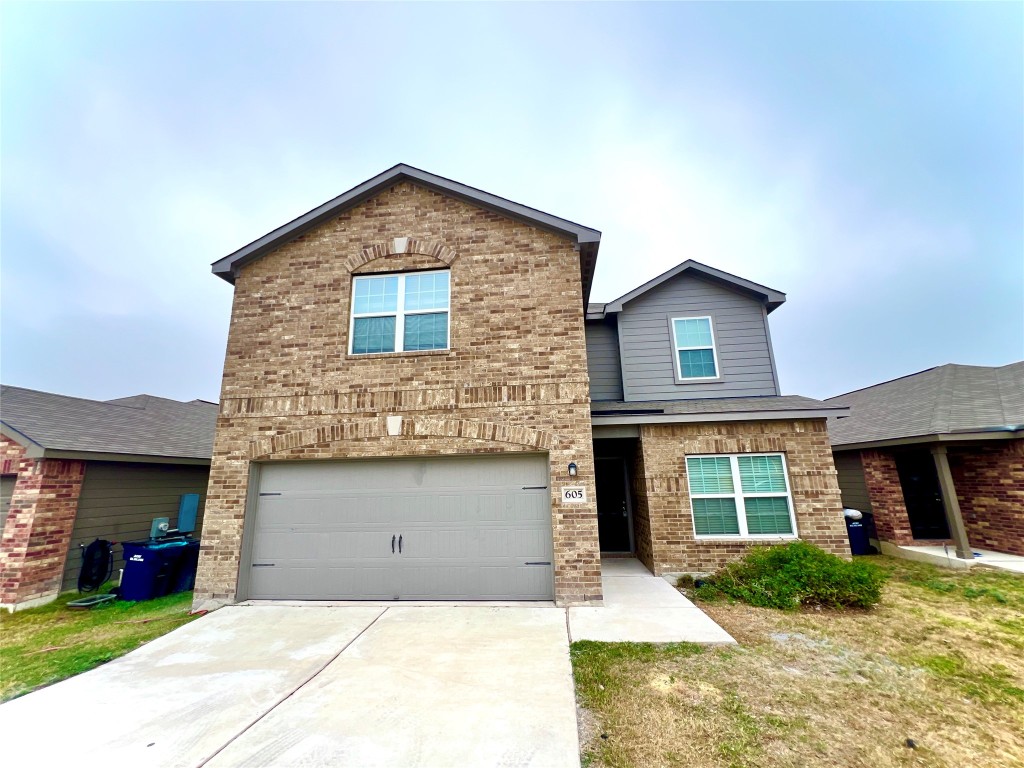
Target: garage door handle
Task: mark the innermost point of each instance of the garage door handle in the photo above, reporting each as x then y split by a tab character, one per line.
399	545
392	544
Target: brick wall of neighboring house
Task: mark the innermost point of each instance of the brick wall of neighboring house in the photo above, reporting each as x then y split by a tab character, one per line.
515	378
989	483
39	524
886	495
663	485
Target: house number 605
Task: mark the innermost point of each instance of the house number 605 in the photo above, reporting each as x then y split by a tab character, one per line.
574	495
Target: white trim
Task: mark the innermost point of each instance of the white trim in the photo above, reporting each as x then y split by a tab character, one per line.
738	496
676	349
399	313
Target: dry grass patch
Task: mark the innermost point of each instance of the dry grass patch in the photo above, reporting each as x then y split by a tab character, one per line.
938	662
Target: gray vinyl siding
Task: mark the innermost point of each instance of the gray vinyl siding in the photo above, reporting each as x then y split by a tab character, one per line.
741	339
603	359
119	501
851	481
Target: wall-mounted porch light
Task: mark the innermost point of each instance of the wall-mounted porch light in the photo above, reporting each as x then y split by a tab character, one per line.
572	469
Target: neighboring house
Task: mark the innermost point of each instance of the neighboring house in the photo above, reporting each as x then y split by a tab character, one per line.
74	470
937	457
407	411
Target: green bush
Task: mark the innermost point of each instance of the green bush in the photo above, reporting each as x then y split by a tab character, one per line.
797	574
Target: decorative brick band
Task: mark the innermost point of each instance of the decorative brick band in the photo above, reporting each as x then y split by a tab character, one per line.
400	245
367	429
396	400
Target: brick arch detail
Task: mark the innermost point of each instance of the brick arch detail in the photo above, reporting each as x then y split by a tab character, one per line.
369	429
400	245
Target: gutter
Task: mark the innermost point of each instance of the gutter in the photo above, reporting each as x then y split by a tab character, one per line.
973	436
607	419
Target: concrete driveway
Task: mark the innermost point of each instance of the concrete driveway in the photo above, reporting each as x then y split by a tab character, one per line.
318	686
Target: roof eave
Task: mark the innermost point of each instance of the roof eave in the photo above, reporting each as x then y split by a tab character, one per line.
942	437
133	458
587	238
33	450
772	298
707	418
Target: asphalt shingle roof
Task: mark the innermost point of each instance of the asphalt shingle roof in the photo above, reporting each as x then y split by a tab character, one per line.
142	425
712	405
944	400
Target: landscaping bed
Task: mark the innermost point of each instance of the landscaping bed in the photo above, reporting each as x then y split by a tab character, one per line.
40	646
932	676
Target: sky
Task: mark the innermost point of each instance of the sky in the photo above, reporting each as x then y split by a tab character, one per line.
867	159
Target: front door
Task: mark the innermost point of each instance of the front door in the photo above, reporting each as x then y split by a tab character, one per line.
612	505
922	495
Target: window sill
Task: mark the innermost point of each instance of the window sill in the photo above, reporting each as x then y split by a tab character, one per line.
734	539
417	353
706	380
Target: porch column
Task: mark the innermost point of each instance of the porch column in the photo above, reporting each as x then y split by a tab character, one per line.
951	504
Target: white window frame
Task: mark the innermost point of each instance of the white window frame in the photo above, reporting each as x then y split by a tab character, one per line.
738	496
400	312
676	349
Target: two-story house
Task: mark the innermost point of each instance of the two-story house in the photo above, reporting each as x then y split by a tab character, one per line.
419	403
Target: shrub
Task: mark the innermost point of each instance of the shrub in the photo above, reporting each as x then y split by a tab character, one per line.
791	575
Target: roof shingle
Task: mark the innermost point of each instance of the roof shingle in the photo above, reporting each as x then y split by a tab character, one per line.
142	425
938	401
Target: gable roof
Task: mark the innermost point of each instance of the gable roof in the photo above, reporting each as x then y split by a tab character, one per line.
771	298
588	239
944	403
57	426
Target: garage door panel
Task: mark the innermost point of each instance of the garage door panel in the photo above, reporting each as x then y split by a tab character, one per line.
295	581
373	583
468	525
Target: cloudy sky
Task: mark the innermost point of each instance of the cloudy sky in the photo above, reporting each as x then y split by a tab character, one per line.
867	159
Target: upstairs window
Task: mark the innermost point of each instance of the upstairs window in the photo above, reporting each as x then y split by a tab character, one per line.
399	313
695	348
745	495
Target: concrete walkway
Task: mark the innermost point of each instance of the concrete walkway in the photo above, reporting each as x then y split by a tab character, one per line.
937	555
642	608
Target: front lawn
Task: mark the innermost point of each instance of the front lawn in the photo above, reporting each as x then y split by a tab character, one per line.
933	676
42	645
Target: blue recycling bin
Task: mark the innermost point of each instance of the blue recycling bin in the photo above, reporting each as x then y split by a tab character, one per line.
158	568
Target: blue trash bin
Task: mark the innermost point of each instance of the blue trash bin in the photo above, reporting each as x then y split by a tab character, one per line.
856	532
150	568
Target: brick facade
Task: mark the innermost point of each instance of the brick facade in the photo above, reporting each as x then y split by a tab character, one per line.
514	379
886	494
661	493
989	482
39	525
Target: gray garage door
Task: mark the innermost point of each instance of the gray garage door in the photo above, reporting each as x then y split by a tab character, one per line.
7	483
462	528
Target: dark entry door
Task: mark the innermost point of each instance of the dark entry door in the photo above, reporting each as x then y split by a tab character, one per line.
922	495
612	505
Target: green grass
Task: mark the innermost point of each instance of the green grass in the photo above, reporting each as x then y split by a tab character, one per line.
43	645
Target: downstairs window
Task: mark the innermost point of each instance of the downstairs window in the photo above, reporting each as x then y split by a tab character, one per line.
742	495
